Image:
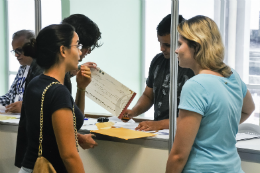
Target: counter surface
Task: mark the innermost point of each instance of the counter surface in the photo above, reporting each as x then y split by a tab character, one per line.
249	150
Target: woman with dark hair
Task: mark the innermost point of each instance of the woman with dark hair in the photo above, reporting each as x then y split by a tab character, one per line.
212	105
57	51
89	35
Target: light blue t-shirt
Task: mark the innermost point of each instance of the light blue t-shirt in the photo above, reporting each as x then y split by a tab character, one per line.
219	100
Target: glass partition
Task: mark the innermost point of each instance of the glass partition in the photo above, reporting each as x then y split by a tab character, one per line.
120	55
133	23
253	33
51	12
155	11
20	16
238	22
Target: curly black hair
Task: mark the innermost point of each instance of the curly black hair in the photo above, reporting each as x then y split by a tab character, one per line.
86	29
164	27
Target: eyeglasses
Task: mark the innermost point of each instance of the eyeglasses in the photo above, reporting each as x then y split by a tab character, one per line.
79	46
17	51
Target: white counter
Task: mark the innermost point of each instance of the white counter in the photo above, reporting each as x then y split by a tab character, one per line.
113	155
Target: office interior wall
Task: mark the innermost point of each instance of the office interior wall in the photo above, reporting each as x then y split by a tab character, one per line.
120	55
3	48
7	150
250	167
65	8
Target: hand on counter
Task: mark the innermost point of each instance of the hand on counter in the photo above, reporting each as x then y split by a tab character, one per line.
153	125
86	141
14	107
148	126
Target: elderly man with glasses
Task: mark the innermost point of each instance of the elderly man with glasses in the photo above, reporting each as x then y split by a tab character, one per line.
13	99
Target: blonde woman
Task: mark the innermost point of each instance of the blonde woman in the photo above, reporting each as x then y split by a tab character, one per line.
213	103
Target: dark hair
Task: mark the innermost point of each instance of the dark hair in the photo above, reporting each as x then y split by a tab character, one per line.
164	27
28	34
86	29
46	47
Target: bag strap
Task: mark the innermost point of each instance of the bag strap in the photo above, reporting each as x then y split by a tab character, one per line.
41	120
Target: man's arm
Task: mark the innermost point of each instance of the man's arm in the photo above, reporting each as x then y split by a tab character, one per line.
9	97
248	107
4	100
143	104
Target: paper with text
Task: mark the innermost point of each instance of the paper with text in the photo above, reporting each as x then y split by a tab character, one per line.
109	93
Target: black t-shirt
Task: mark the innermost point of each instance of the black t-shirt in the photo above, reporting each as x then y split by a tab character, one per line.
57	97
159	80
21	145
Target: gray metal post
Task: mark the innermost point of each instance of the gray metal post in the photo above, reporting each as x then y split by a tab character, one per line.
173	73
38	16
222	19
6	23
143	79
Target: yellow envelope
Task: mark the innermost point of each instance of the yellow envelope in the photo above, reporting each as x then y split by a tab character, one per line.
123	133
3	117
105	125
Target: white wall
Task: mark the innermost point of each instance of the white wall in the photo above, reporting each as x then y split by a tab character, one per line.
120	56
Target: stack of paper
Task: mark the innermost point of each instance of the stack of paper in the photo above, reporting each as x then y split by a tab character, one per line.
245	136
8	115
10	121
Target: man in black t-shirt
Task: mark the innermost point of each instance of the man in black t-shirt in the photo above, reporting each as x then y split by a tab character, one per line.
158	83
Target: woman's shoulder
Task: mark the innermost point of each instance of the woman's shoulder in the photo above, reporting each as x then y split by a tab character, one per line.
42	81
198	78
199	81
59	91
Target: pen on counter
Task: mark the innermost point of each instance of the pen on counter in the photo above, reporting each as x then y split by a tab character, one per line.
85	118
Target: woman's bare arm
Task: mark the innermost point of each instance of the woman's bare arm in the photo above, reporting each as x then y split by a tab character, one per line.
187	128
62	122
248	107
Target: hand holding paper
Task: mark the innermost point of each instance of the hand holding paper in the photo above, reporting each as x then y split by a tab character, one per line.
90	64
129	114
83	77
